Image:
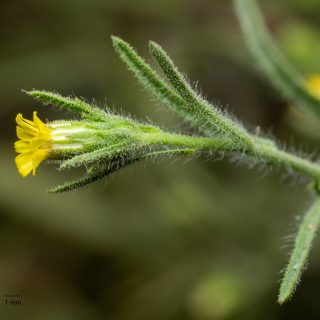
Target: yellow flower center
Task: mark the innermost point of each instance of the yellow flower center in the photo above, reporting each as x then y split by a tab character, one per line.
34	145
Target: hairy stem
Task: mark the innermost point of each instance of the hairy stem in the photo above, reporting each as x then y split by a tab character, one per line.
263	149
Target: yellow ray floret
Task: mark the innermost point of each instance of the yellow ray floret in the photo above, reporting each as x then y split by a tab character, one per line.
34	145
313	85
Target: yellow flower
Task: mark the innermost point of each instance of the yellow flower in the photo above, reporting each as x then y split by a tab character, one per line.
34	145
313	85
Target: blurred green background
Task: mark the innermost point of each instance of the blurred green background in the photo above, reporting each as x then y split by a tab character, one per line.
196	240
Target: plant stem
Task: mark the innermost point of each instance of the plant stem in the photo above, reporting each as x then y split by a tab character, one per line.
274	155
195	143
263	149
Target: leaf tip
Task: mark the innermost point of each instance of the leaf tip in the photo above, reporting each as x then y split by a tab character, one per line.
29	92
153	45
283	297
117	41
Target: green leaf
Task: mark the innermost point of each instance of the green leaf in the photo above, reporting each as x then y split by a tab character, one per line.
97	174
271	61
206	116
151	81
102	154
72	104
302	247
87	179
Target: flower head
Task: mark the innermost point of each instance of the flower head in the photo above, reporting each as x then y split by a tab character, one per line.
100	141
34	145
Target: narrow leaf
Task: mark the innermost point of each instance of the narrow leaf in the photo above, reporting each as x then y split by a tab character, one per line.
71	104
277	69
206	115
149	79
115	166
105	153
87	179
298	259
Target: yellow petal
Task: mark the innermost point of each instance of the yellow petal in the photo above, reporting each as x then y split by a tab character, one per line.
313	85
37	158
38	123
22	134
26	124
21	146
34	145
24	164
